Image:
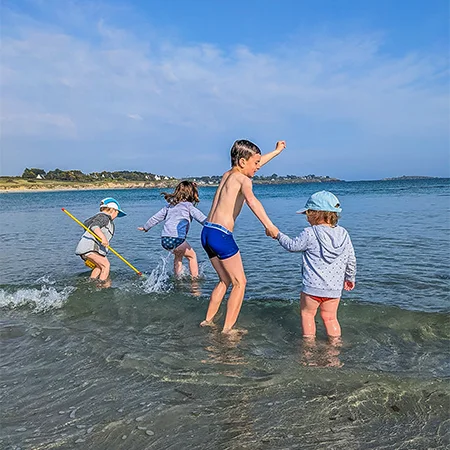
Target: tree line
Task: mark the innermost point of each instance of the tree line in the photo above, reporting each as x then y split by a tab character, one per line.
125	175
78	175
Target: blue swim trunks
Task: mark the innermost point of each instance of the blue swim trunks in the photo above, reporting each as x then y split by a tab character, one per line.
218	241
171	243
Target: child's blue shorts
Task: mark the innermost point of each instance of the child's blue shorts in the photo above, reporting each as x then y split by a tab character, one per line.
218	241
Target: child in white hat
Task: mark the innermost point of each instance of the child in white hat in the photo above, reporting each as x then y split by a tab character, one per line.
329	263
90	249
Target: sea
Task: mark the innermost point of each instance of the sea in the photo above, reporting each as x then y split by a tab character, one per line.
128	367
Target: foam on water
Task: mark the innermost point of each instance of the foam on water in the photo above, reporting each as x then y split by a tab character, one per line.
41	299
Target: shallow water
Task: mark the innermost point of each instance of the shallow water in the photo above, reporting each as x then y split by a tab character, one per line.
129	368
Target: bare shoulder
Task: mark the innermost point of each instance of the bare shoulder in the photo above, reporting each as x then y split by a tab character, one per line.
239	177
225	177
239	180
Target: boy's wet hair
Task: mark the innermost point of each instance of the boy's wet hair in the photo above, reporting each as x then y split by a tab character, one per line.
329	217
243	149
186	191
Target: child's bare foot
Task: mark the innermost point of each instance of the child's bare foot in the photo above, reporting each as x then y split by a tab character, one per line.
335	341
207	323
103	283
234	331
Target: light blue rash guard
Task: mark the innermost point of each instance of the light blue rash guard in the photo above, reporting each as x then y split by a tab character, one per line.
328	259
177	219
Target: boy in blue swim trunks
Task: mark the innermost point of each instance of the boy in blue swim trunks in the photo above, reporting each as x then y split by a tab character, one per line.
234	189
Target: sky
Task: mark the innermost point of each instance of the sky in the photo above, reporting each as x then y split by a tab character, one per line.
358	89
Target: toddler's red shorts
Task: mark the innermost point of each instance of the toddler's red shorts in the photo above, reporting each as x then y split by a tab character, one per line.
320	299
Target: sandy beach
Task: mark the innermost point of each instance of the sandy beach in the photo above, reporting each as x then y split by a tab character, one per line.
24	186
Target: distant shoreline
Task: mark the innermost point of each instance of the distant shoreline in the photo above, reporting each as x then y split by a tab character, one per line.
25	186
18	185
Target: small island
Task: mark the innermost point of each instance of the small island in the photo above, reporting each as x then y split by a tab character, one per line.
34	179
409	177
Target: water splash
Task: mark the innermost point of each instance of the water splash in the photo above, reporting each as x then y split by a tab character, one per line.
40	299
158	280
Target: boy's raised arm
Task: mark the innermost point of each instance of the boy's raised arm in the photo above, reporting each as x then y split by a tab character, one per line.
281	145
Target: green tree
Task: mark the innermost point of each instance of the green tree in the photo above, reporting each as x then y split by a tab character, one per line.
33	172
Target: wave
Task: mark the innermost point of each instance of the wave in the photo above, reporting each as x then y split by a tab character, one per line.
40	299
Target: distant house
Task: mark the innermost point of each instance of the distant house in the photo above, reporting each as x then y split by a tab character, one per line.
157	177
40	177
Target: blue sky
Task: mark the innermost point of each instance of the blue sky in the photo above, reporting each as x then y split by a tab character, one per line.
358	89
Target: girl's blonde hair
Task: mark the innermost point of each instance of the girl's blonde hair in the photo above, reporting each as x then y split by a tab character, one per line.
186	191
317	217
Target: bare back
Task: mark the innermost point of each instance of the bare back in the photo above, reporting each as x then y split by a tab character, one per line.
228	200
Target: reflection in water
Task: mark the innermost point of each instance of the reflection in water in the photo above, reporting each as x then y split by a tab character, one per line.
321	354
236	412
223	350
186	283
196	289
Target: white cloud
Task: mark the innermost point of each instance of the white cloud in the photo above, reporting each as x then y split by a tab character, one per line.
57	85
135	116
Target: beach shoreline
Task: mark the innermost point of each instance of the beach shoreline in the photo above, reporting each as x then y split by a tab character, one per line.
44	186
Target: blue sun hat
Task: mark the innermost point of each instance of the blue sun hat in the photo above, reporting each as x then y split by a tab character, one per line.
322	201
110	202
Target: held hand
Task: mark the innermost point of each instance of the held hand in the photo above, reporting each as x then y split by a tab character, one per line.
281	145
105	243
349	285
142	229
272	231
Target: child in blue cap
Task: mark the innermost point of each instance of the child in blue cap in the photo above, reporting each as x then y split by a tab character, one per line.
90	249
329	263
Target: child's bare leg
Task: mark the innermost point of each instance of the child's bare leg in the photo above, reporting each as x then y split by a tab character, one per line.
188	252
177	263
95	273
218	292
235	270
191	256
308	310
101	263
328	312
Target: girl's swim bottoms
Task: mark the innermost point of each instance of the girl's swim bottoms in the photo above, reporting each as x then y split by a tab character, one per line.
171	243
